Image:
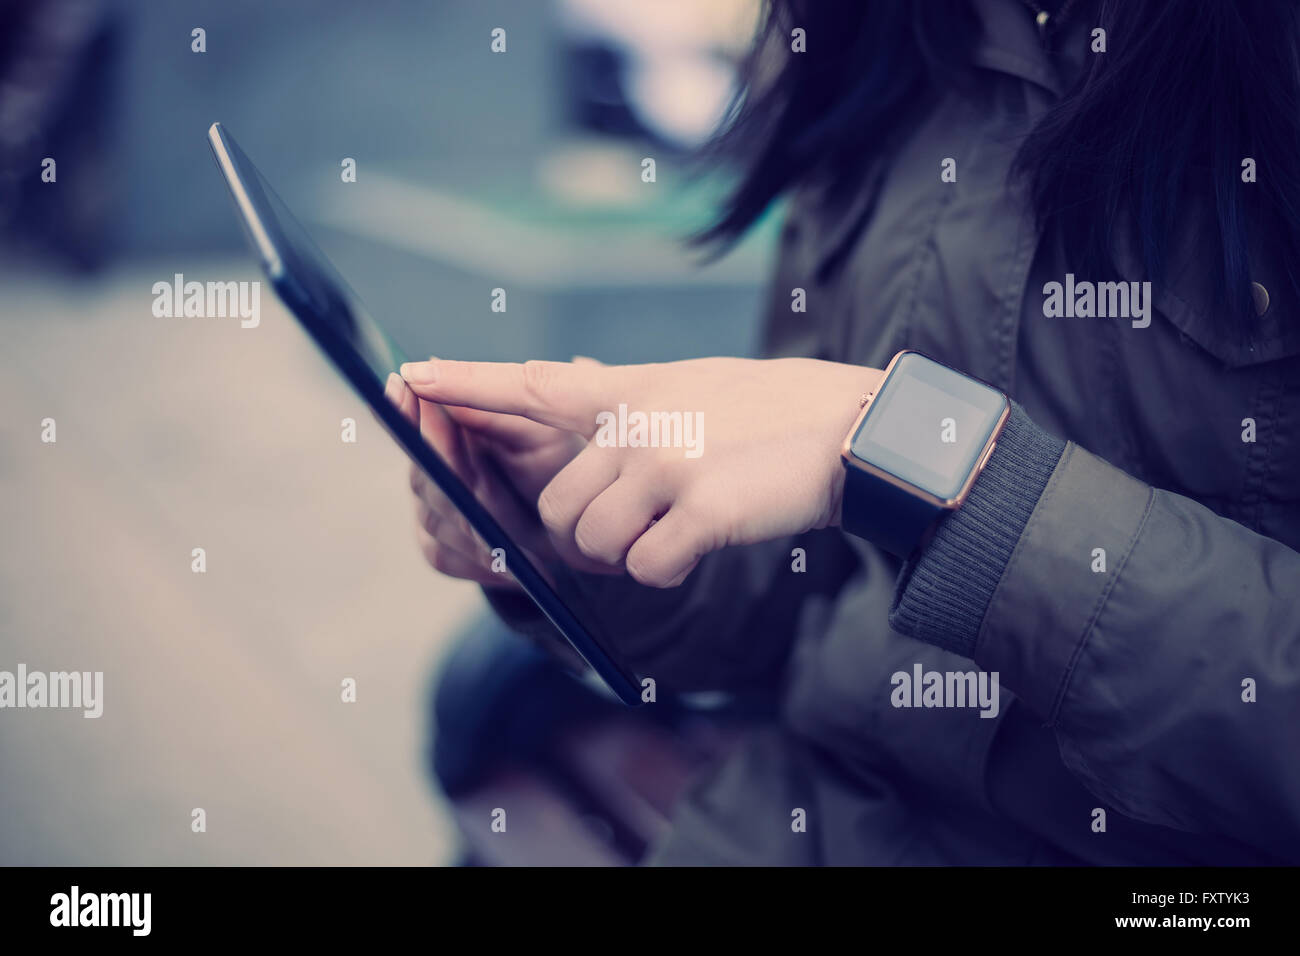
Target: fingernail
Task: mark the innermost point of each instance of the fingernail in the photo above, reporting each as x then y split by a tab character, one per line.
420	373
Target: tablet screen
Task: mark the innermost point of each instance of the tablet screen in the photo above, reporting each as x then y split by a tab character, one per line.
365	355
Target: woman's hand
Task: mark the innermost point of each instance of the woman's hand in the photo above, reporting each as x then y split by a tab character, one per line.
680	459
505	460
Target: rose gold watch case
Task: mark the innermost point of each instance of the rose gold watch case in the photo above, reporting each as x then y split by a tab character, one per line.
853	461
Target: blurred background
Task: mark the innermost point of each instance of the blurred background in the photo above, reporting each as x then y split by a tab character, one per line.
475	170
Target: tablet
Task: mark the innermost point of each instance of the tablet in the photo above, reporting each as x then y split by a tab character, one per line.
363	353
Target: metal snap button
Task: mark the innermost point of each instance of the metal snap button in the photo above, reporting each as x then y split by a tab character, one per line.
1260	295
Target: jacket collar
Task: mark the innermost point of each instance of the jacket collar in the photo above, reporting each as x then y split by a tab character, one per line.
1009	43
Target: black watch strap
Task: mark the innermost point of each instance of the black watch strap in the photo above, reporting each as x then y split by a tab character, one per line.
883	513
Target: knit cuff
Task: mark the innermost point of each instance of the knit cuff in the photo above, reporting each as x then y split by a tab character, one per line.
943	592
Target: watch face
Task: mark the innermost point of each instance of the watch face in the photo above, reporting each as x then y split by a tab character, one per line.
928	425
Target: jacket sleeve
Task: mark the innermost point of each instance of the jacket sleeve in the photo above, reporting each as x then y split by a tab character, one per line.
1159	640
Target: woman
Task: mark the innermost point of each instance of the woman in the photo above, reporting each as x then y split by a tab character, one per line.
1125	563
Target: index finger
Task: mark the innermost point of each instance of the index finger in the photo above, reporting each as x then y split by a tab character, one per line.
559	394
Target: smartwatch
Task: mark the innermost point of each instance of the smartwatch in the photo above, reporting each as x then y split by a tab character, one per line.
922	438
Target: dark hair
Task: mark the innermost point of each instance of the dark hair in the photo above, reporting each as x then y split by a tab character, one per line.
1186	90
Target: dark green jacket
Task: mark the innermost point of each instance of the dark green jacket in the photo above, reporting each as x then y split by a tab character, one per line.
1163	690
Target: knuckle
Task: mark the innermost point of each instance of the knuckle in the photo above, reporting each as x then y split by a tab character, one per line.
548	509
444	561
710	520
539	381
466	531
426	519
648	566
441	558
590	543
429	548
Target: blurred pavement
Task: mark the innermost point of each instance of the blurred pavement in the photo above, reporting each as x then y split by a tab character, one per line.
222	690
